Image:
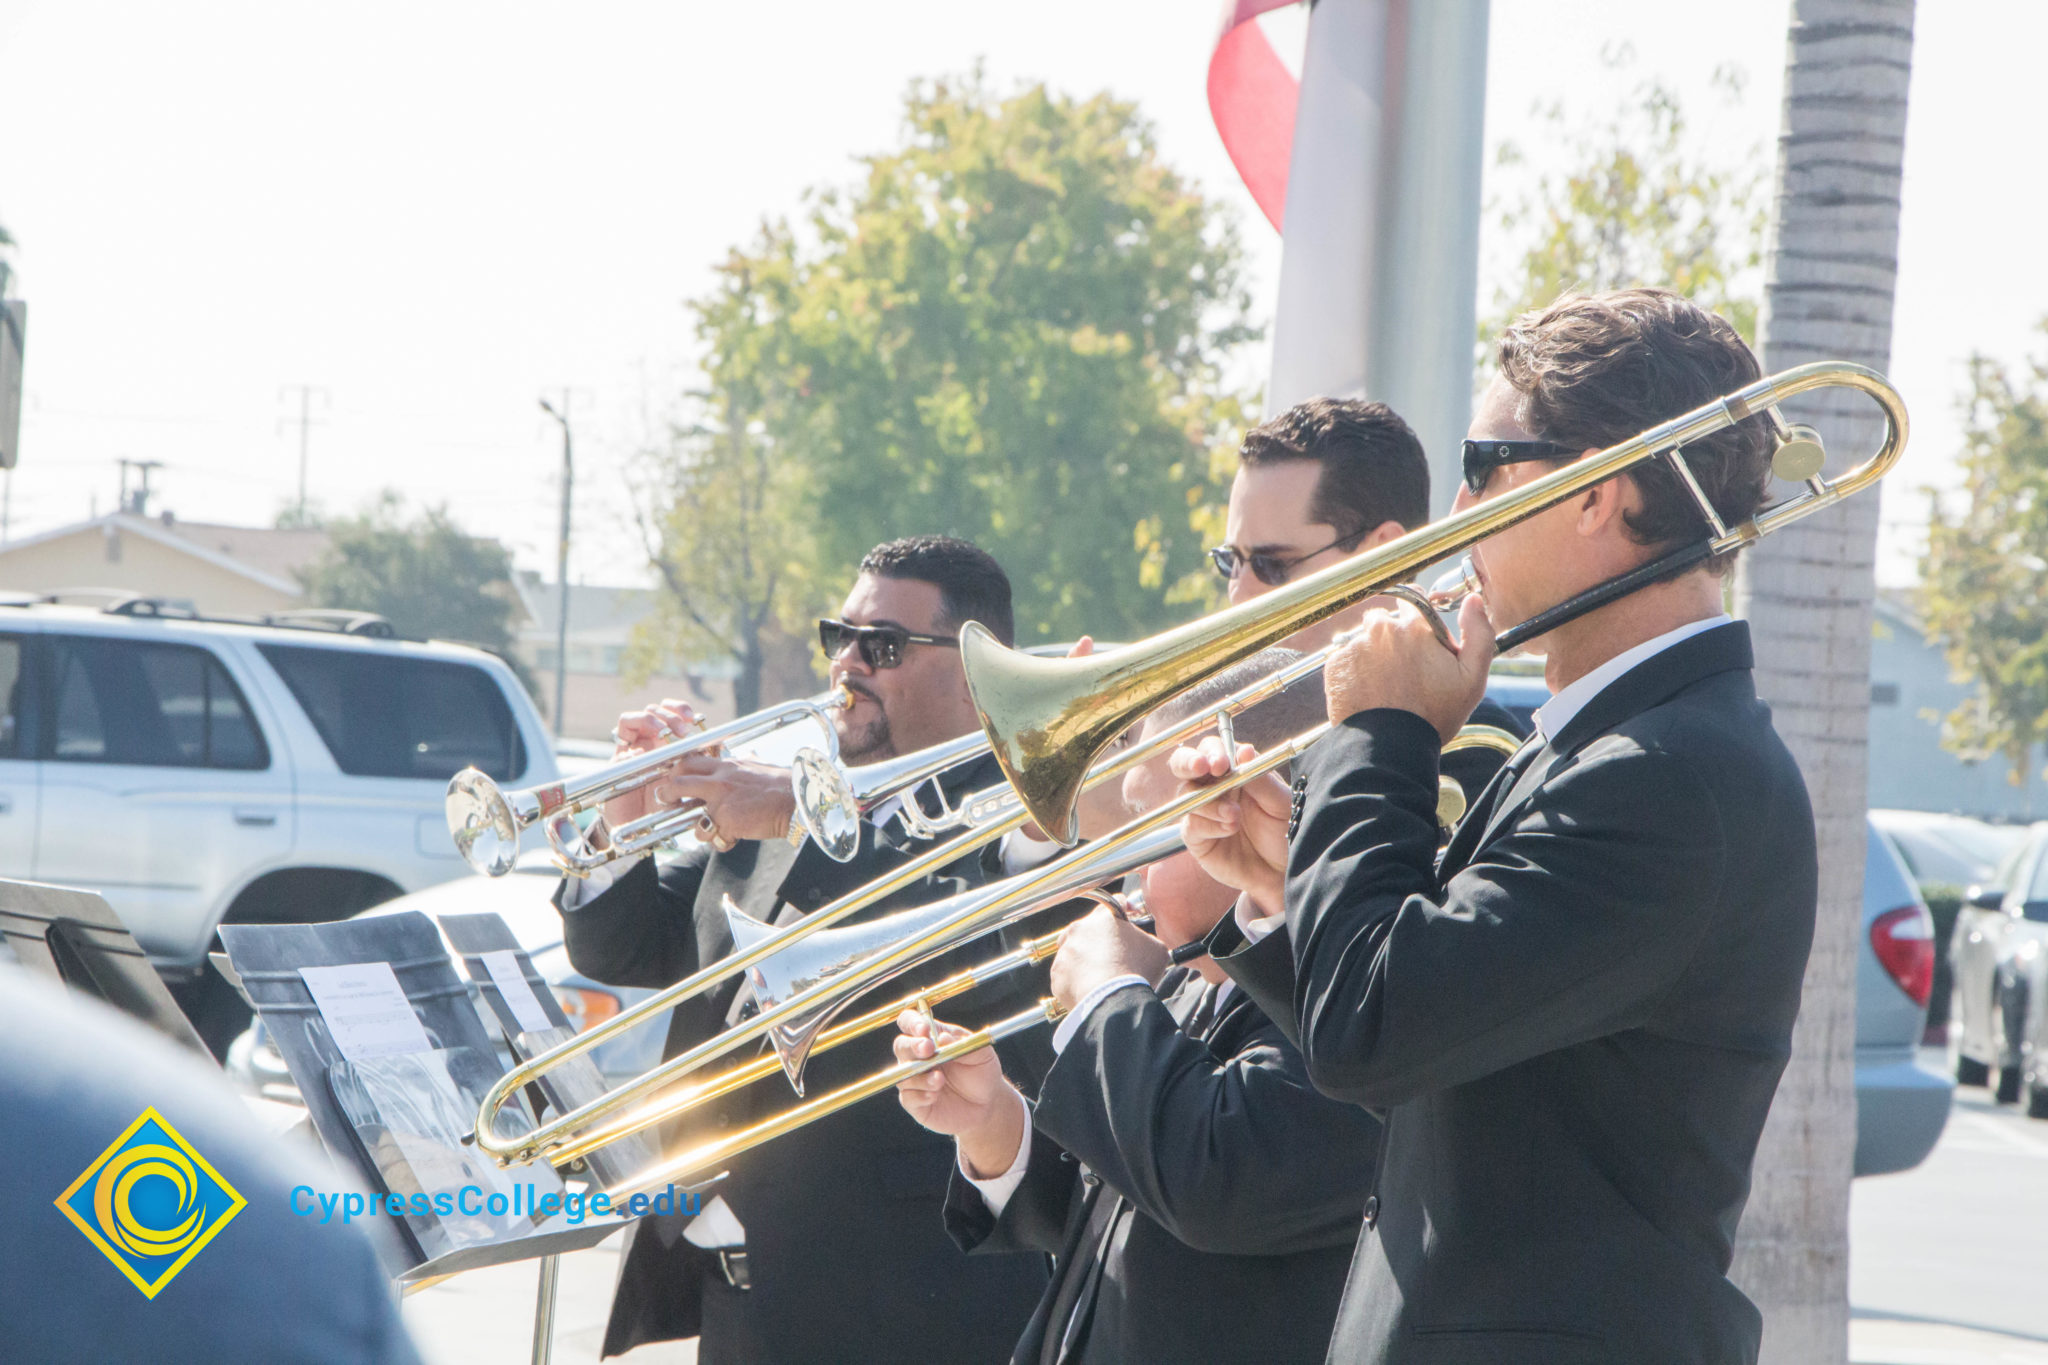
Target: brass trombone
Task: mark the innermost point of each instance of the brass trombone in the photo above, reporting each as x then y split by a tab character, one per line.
550	1136
485	820
1047	718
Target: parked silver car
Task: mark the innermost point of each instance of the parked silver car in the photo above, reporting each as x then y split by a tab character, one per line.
1997	953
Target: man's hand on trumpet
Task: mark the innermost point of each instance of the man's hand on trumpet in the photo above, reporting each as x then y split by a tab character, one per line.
967	1099
742	800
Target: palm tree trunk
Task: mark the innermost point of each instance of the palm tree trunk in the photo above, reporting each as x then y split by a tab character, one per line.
1832	267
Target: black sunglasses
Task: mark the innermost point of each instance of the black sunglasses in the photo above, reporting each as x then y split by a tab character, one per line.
1271	570
880	646
1483	457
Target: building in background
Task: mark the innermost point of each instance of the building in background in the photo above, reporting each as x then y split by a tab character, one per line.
601	622
218	570
1910	691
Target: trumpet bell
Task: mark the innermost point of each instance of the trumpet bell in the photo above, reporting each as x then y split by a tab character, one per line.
482	823
826	805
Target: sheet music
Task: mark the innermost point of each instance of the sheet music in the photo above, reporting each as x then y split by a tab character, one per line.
517	991
365	1010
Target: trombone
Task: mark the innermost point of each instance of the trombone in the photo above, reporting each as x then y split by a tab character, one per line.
485	820
1047	718
531	1145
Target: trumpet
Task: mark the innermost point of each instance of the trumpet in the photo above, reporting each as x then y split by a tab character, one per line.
486	821
1047	719
832	799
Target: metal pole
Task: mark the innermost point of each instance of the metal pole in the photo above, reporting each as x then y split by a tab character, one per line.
562	563
544	1310
1379	278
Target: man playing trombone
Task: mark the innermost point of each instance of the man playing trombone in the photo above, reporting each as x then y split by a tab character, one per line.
1200	1199
1575	1021
826	1245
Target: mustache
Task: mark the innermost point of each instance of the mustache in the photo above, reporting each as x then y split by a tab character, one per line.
850	685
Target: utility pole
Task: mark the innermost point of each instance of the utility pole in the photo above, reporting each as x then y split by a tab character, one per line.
305	421
561	415
137	503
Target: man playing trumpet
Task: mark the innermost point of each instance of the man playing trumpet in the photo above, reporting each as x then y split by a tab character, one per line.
824	1246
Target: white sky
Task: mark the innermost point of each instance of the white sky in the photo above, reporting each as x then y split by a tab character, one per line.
435	213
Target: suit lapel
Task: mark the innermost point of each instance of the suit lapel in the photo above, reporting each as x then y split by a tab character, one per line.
1650	683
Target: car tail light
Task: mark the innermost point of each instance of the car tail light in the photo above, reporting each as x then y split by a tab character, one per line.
586	1008
1904	942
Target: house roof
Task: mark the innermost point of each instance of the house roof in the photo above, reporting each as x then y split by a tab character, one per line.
272	572
595	613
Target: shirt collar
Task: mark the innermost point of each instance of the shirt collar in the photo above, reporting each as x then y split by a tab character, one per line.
1555	714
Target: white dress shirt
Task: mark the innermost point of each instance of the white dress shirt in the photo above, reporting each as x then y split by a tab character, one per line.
1555	714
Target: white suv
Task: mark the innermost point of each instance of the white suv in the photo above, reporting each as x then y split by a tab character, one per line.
194	771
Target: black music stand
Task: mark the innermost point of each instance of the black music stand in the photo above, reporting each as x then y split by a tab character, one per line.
76	937
371	1111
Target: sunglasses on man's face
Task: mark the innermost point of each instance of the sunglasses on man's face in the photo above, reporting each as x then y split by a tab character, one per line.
1272	570
880	646
1483	457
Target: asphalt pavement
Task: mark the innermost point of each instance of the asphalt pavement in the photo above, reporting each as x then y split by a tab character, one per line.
1948	1266
1948	1262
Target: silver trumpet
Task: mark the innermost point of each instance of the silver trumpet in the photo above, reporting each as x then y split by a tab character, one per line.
832	799
486	821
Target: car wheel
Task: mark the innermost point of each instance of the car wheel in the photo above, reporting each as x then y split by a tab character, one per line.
2006	1090
1968	1070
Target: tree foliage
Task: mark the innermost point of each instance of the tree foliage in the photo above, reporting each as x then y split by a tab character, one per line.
1012	328
1631	203
423	573
1981	592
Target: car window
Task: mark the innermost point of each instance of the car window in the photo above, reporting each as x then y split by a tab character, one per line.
157	705
2035	906
10	696
385	715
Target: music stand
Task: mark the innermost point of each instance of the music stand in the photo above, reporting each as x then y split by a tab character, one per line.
371	1111
75	936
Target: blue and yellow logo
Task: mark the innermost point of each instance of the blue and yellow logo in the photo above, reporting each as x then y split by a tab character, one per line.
150	1202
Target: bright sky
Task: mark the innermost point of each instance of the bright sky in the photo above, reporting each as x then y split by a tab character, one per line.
435	213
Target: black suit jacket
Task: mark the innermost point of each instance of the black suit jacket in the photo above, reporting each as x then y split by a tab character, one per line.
1215	1201
1574	1026
846	1252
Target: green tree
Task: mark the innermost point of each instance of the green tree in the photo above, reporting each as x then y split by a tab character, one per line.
1980	594
1629	202
1013	328
423	573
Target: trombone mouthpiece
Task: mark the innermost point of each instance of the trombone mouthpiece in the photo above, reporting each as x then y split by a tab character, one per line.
1454	585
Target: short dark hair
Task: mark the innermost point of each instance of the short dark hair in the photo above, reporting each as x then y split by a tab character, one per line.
1278	718
1374	469
972	586
1596	369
